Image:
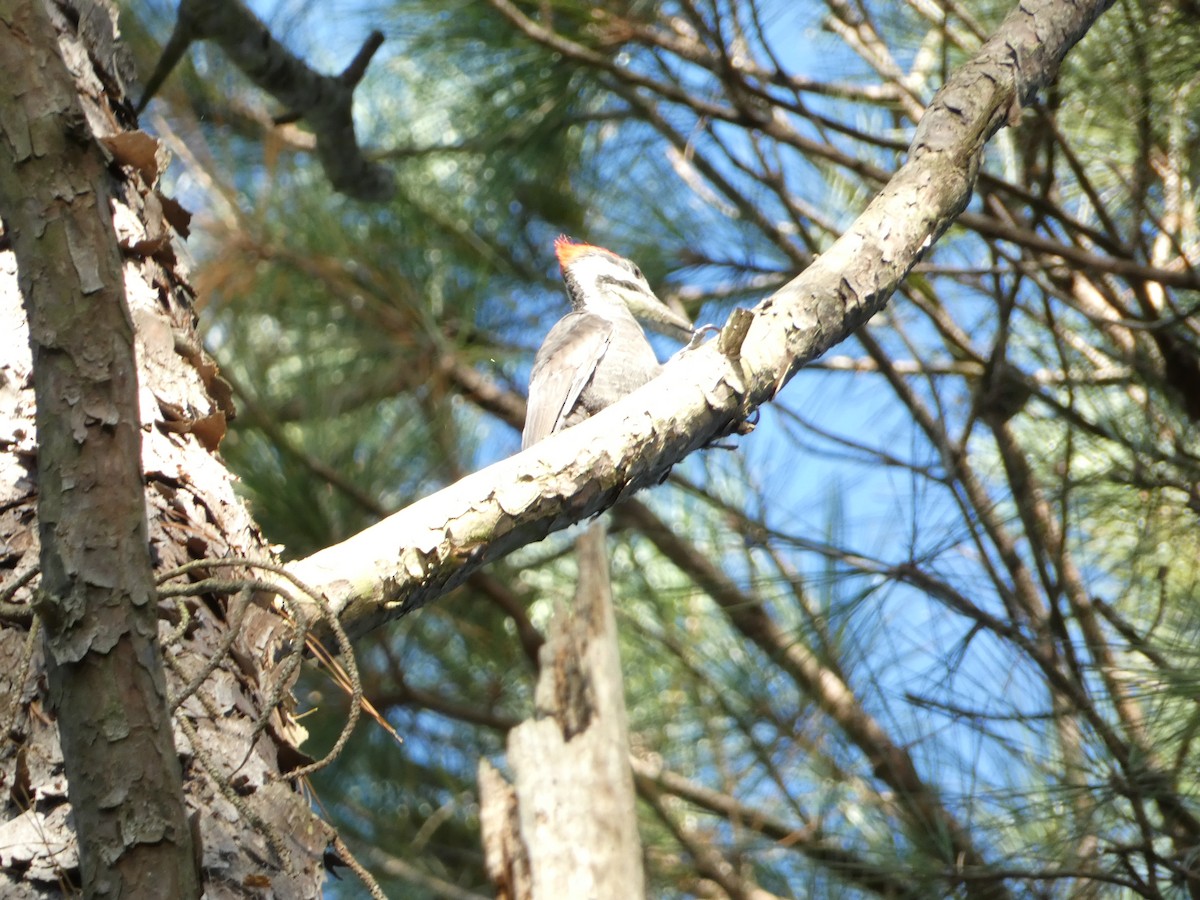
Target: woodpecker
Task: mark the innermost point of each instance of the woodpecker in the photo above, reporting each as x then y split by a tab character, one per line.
597	353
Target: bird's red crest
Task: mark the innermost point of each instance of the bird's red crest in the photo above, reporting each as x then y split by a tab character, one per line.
568	250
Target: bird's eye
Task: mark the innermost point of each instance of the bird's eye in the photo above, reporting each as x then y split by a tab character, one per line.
637	273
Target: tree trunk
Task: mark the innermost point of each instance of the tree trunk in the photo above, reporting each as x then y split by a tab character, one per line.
87	224
567	827
96	602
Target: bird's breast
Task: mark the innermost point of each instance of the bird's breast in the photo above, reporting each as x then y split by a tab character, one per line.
627	364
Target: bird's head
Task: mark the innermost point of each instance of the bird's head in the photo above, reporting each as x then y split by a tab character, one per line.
601	282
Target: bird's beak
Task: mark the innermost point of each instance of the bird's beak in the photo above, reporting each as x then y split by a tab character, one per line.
657	316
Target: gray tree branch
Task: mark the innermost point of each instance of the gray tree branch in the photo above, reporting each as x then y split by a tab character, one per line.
324	101
417	554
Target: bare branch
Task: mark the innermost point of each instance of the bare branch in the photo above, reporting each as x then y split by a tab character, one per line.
324	101
415	555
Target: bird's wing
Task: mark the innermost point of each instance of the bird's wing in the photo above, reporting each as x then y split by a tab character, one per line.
562	368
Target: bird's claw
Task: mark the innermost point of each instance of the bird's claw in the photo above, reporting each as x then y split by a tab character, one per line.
698	336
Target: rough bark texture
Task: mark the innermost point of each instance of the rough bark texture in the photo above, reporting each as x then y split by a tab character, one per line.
567	826
96	599
250	832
